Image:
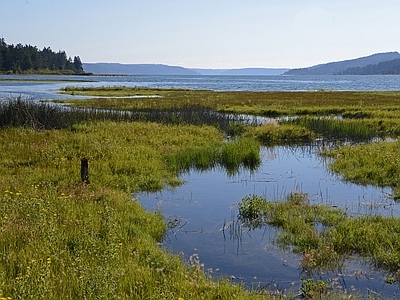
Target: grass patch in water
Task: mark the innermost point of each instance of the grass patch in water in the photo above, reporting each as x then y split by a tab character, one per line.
272	133
233	155
326	236
374	163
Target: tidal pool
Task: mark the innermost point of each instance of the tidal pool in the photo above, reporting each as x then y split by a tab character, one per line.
198	210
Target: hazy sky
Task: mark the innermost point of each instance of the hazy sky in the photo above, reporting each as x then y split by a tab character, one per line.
206	33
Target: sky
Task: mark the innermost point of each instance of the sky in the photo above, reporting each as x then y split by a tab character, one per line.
215	34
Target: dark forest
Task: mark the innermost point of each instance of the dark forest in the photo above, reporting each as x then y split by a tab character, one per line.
27	59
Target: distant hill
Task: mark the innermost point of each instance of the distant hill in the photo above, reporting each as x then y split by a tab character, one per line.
242	72
254	71
159	69
340	67
136	69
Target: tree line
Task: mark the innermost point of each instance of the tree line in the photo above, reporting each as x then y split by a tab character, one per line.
19	59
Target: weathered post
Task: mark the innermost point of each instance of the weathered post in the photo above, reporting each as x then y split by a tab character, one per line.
85	170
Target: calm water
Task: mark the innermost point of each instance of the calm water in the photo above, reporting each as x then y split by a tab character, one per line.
199	208
48	90
209	199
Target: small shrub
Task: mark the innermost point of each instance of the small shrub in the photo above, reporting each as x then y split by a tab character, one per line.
251	207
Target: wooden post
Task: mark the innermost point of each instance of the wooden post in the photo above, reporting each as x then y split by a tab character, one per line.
85	170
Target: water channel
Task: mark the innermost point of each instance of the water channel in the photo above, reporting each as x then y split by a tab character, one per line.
198	210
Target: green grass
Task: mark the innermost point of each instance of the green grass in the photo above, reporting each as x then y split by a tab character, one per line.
273	133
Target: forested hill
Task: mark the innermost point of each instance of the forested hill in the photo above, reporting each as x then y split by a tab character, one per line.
390	67
341	67
20	59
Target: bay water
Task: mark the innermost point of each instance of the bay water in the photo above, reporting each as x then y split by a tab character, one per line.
43	87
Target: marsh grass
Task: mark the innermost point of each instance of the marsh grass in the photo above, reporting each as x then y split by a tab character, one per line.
275	133
320	114
62	239
325	236
269	104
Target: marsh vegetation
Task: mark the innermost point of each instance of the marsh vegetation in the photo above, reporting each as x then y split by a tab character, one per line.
65	239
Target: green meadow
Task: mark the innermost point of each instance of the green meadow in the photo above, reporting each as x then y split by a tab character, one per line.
62	238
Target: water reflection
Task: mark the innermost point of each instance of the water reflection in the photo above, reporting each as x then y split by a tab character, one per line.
199	211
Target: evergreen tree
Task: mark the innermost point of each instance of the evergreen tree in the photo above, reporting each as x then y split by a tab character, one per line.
78	65
2	52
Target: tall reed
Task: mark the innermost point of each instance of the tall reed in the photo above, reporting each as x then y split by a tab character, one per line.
334	128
